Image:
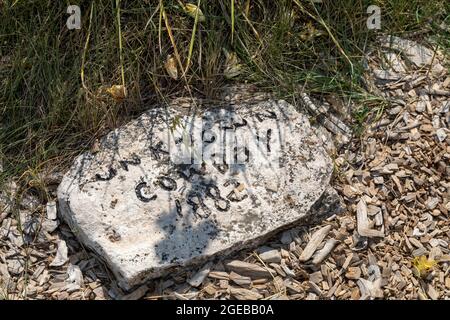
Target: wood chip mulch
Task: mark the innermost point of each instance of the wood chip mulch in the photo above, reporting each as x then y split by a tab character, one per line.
392	241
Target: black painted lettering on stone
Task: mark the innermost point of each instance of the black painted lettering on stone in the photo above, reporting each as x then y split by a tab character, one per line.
157	150
211	139
212	191
179	209
271	115
139	194
220	203
135	160
187	173
242	124
227	124
259	117
234	182
232	195
195	200
167	183
205	209
221	167
234	198
190	201
236	125
267	114
184	175
246	152
111	174
269	135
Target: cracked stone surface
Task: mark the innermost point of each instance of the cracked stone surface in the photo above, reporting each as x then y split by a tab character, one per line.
173	188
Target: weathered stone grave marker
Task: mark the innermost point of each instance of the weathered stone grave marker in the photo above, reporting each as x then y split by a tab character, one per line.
170	188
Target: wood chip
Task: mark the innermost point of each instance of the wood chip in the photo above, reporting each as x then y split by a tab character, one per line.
61	255
314	243
198	277
249	269
270	256
325	251
240	280
432	293
221	275
244	294
363	221
370	289
353	273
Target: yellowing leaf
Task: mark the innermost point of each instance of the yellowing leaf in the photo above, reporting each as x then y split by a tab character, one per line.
310	32
191	10
118	92
171	67
175	123
422	265
232	65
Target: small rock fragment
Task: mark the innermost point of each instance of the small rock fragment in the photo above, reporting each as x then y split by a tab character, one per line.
417	54
61	255
441	134
395	62
50	225
286	237
75	275
51	210
270	256
386	75
422	103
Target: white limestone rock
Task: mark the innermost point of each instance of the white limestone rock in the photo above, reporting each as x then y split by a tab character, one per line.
414	52
144	210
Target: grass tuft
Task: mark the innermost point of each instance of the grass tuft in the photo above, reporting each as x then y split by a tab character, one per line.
53	80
